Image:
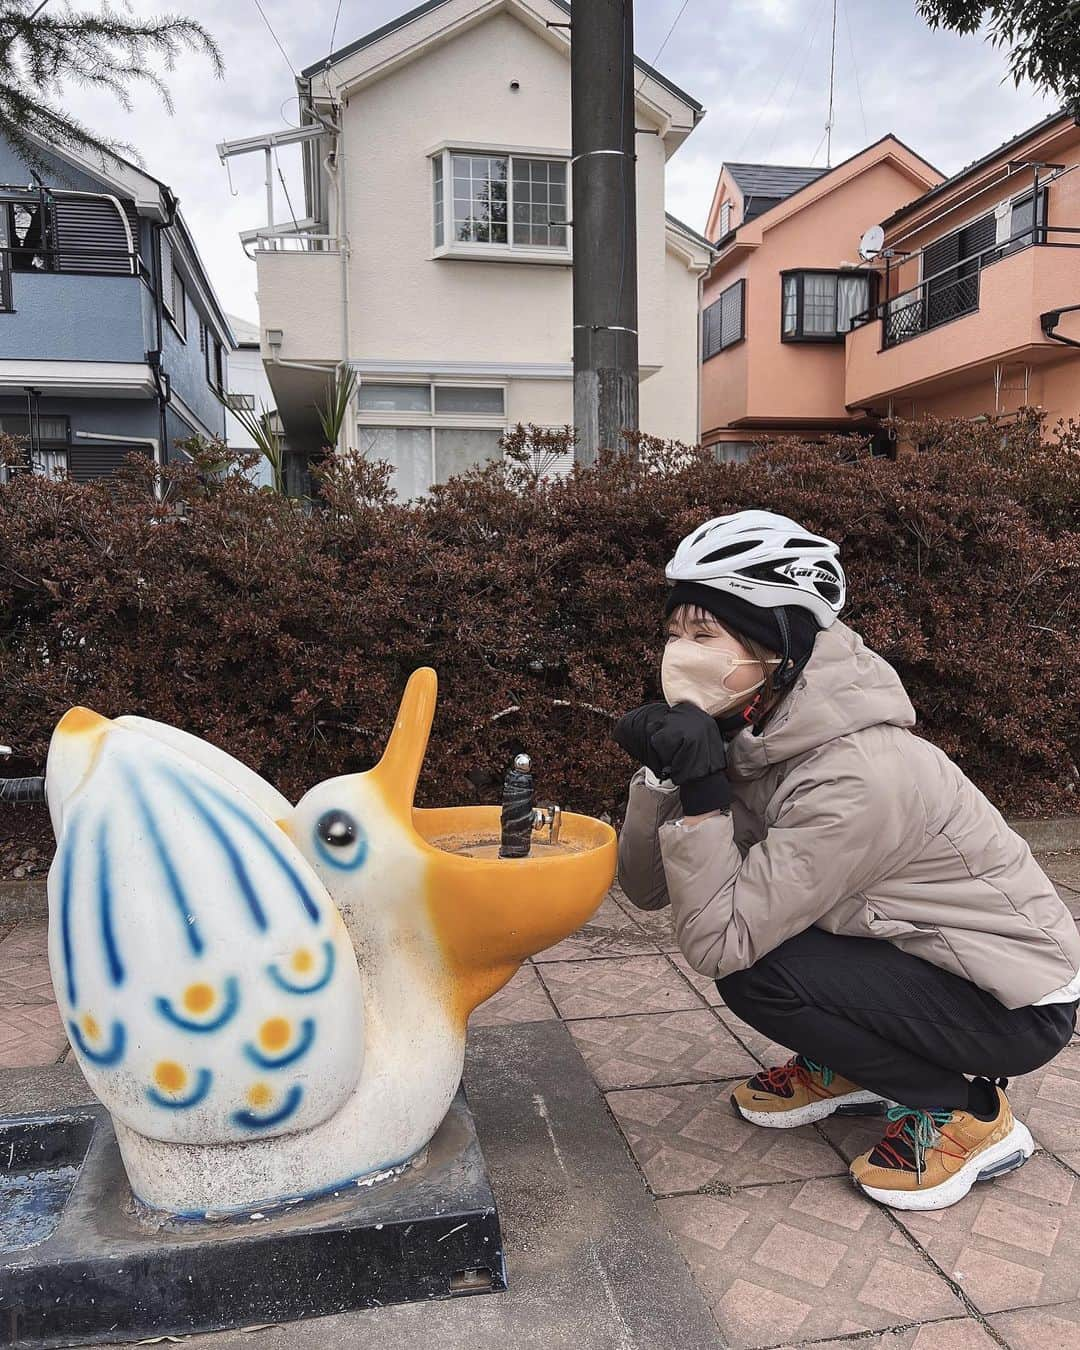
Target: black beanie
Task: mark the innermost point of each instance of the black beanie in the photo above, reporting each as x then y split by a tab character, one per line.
756	622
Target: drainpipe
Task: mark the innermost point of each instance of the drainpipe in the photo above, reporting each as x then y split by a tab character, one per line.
154	358
1050	320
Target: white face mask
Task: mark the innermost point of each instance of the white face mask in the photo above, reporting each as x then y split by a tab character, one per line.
695	672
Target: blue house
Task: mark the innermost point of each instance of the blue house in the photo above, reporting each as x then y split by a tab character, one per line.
111	337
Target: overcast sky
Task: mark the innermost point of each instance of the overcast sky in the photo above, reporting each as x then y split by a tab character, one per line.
760	67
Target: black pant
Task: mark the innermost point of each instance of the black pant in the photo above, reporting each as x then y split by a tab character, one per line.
889	1021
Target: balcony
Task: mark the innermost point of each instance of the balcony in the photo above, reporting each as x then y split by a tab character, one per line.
980	313
300	295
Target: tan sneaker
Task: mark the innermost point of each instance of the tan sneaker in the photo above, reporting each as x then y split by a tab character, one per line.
800	1092
931	1159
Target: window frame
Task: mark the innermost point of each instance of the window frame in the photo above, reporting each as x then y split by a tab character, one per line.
511	251
706	354
837	337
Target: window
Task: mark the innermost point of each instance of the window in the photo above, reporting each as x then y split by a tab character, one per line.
506	201
437	430
25	227
47	449
722	321
725	218
168	271
215	359
179	309
241	401
819	306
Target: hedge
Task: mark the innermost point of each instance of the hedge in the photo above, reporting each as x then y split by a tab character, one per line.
286	635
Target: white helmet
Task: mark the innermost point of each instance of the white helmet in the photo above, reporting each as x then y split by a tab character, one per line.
765	559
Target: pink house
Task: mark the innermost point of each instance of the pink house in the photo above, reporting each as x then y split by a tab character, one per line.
785	288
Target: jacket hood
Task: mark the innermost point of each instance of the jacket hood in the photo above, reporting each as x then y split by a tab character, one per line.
844	687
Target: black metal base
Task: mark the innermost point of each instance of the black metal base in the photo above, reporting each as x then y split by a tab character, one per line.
80	1262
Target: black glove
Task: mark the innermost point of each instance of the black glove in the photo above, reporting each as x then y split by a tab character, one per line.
634	730
691	751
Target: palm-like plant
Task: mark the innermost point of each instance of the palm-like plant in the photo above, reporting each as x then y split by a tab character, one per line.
262	427
340	388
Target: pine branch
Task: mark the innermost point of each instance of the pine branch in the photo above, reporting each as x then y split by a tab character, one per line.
105	49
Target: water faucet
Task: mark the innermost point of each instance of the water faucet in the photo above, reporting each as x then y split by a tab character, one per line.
520	817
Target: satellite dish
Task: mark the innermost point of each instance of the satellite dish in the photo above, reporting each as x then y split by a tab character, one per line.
871	244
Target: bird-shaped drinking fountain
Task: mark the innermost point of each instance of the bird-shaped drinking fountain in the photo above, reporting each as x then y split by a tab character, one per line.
271	1000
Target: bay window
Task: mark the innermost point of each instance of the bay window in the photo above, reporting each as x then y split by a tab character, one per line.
502	201
819	306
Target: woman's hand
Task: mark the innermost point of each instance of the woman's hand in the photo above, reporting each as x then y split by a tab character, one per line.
634	731
691	751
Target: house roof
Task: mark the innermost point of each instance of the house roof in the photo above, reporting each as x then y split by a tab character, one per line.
403	20
245	332
688	231
974	166
771	180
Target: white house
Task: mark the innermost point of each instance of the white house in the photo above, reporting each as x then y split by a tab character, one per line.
434	256
248	386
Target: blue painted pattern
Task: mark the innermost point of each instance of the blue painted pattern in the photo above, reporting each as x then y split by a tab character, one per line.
232	853
290	987
249	1120
106	1058
229	1004
303	1045
168	867
104	879
67	866
198	1093
270	845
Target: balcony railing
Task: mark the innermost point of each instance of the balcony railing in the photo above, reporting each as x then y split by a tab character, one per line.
954	291
21	259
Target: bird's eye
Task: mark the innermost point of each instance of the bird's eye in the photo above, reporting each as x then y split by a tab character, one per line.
337	828
341	839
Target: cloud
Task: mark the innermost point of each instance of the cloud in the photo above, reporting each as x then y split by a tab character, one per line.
759	66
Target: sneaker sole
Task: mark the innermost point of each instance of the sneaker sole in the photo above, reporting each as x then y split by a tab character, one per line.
1012	1152
853	1104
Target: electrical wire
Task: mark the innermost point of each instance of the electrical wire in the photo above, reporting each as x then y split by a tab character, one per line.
798	79
280	48
767	105
855	68
333	30
667	39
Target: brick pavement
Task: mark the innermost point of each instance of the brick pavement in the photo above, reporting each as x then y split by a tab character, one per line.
783	1249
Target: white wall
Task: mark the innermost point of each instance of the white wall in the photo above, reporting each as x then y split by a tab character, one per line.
248	376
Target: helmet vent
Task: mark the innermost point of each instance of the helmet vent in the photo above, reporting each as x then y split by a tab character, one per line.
729	551
804	543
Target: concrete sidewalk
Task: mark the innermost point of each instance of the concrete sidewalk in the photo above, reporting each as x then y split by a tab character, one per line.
781	1248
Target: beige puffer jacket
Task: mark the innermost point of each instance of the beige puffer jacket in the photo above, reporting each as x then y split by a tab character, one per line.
843	818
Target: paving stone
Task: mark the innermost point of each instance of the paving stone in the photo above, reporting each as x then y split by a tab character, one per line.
1055	1328
656	923
522	999
1010	1243
686	1138
31	1034
954	1334
1048	1101
774	1273
1062	868
24	965
658	1048
705	987
605	988
610	932
767	1052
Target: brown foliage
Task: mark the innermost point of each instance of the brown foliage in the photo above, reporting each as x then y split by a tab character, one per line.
286	635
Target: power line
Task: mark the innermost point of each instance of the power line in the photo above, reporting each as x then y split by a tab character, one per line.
333	31
855	68
667	39
798	78
280	48
767	105
832	84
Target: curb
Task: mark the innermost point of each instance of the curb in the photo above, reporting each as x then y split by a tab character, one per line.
26	898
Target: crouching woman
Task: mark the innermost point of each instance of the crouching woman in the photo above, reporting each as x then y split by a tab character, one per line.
854	895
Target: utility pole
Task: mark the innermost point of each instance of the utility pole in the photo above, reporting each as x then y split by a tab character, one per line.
604	225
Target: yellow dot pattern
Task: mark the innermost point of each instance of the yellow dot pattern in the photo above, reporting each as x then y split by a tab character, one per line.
198	998
90	1026
169	1076
302	960
259	1094
275	1033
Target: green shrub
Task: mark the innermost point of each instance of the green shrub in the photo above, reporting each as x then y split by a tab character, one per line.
286	635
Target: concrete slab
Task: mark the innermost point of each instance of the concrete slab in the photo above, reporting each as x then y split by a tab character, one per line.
589	1262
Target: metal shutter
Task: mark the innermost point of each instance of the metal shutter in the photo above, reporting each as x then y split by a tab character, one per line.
731	314
90	236
87	462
